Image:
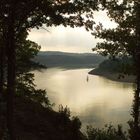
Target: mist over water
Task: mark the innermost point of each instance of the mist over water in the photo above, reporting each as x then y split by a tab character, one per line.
94	99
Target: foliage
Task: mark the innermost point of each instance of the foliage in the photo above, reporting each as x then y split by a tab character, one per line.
76	123
26	51
25	86
107	133
64	111
122	40
119	65
19	16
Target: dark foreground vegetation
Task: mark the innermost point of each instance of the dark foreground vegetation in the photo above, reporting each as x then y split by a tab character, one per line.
17	18
36	122
33	121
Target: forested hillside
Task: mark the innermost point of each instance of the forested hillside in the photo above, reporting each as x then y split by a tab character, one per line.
63	59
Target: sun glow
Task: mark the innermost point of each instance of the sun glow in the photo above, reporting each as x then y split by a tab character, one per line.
69	39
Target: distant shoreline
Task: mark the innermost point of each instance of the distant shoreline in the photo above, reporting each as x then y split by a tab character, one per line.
113	76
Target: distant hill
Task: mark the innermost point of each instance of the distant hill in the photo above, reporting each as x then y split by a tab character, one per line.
117	70
121	65
63	59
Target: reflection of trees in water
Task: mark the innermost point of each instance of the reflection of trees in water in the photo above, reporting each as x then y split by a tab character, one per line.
134	124
87	78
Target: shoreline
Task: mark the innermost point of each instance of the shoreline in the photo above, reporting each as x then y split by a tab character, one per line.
113	76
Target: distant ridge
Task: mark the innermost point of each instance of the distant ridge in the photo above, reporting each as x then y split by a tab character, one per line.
66	59
64	53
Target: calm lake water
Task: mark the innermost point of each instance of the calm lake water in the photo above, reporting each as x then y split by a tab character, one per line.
95	100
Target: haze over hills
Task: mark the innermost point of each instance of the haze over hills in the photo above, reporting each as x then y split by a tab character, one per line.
65	59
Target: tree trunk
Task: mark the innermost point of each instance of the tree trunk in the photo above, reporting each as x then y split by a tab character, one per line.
1	70
11	76
136	113
136	107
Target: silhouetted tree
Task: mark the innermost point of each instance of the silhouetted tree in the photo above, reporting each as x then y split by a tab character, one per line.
17	16
123	40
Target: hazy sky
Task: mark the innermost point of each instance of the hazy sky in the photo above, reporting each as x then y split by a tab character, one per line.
68	39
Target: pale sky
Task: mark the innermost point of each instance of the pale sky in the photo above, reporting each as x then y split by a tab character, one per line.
68	39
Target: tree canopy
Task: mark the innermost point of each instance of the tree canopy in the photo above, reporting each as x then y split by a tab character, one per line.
17	17
124	39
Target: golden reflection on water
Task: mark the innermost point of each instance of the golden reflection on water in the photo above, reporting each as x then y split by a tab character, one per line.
96	101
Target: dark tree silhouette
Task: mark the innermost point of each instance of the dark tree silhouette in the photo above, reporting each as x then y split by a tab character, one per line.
18	16
124	40
134	131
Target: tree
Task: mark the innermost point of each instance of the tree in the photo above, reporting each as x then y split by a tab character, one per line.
18	16
25	86
123	40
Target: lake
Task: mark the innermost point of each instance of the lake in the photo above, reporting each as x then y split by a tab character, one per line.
94	99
